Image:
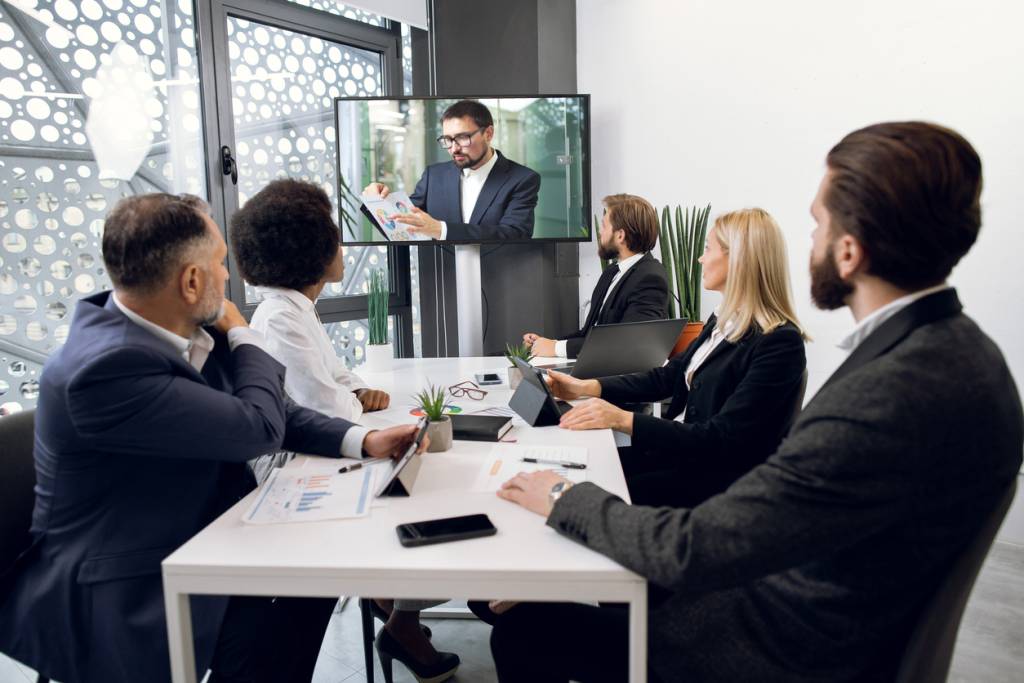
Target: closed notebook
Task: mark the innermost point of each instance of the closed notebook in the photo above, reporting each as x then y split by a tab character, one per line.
480	427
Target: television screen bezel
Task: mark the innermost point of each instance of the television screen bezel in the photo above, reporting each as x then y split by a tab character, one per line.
587	200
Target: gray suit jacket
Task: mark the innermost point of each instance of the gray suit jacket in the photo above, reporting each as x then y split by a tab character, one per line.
813	566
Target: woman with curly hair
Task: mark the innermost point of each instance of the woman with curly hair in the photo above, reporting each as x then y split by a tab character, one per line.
286	244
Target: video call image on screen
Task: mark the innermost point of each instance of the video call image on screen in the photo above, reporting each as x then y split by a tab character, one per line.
536	188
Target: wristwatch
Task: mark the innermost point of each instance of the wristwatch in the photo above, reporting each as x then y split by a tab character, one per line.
558	490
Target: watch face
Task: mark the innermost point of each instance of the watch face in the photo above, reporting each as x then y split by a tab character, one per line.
557	488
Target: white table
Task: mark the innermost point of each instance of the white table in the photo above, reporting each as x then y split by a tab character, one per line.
526	560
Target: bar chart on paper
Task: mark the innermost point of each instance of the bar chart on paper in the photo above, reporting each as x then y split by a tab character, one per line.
312	495
505	461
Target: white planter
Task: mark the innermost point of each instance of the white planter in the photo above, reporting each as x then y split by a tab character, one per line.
379	357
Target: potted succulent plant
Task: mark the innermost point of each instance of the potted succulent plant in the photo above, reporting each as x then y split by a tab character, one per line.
379	352
522	352
439	431
682	243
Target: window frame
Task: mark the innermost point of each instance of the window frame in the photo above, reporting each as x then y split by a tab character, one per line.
218	130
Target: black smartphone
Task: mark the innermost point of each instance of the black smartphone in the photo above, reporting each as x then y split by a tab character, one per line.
444	530
485	378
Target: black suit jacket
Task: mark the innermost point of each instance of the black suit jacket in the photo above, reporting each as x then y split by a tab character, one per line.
814	565
640	294
736	412
135	452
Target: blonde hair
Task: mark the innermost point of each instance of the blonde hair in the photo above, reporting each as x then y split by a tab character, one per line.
757	290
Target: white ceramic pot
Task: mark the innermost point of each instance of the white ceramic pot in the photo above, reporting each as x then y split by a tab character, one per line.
515	376
379	357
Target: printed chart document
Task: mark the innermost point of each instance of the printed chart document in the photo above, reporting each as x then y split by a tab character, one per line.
383	208
506	461
313	494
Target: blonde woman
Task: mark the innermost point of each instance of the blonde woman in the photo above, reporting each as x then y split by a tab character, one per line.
733	392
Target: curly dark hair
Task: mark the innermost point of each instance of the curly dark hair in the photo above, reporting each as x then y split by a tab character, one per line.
147	236
285	235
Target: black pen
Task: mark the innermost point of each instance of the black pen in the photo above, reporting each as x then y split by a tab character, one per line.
350	468
560	463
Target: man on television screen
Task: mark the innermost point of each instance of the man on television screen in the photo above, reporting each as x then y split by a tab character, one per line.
479	195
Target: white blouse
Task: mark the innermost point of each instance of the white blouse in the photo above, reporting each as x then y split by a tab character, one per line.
316	377
718	335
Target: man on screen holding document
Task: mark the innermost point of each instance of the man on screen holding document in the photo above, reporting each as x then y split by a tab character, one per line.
146	418
479	195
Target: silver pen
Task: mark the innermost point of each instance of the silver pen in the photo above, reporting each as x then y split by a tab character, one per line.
559	463
350	468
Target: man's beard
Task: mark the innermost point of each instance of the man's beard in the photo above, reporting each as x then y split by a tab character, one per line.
470	162
210	310
607	251
828	290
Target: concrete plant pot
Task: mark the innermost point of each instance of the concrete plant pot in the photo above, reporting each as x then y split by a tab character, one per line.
440	435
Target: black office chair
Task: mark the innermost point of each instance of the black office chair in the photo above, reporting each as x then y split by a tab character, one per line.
16	488
929	650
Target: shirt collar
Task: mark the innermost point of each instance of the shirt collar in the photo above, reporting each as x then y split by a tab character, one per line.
872	322
628	263
293	295
200	338
484	170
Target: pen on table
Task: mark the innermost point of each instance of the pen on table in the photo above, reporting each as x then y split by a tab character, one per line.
350	468
560	463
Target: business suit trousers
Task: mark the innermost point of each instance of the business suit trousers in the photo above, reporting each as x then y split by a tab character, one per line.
265	640
557	642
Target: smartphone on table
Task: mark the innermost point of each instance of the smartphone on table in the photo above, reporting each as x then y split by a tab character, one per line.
444	530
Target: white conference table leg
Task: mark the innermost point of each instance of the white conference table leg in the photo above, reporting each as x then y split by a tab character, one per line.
638	635
179	634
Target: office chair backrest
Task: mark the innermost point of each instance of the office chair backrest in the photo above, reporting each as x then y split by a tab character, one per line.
17	481
929	650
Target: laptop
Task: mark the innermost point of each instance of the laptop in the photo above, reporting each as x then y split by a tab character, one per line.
622	348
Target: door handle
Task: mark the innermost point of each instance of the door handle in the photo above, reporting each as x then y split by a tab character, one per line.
228	166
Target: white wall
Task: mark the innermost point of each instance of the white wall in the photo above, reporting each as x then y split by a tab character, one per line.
737	103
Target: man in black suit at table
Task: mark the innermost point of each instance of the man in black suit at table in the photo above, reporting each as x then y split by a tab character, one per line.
815	565
633	288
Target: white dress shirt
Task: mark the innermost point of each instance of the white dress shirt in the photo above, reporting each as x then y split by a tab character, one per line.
872	322
624	265
471	182
718	335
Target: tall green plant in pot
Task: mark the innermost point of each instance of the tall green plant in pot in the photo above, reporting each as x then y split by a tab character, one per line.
379	352
682	243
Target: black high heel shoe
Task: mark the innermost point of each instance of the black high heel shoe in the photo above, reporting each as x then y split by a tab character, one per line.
378	611
389	649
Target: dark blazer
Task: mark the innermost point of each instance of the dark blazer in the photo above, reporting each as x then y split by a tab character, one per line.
135	453
504	209
736	412
814	565
640	294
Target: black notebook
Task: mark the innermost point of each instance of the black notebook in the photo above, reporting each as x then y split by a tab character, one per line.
480	427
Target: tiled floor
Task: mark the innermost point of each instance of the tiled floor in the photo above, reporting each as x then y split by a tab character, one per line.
990	647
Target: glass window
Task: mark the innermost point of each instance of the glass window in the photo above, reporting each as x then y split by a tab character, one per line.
52	201
349	338
283	86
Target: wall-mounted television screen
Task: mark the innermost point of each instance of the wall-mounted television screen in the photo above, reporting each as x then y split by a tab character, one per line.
463	169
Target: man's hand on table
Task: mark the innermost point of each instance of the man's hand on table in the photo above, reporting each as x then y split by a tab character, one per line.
373	399
540	346
392	442
532	490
